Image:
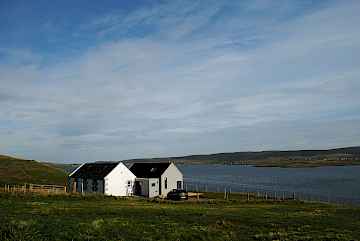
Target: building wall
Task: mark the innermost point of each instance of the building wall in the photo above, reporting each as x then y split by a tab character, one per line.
72	182
173	175
142	187
89	185
120	181
93	186
149	187
78	184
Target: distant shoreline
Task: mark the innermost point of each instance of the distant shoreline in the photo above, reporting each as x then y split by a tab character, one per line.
292	165
287	159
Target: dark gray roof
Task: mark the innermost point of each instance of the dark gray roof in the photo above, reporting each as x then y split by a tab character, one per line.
148	169
96	170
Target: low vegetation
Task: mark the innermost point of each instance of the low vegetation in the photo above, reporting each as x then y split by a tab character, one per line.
34	217
19	171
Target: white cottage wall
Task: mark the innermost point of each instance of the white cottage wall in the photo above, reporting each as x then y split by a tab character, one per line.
169	179
116	182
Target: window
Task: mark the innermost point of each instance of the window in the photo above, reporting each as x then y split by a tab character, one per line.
129	183
153	184
165	182
85	184
179	184
95	185
78	185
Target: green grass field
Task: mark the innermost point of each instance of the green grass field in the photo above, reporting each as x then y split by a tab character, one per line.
34	217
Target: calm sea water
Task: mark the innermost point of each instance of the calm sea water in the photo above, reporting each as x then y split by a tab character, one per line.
338	184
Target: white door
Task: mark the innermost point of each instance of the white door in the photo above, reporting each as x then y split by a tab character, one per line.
129	188
153	188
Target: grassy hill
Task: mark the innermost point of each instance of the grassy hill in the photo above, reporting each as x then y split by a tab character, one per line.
19	171
298	158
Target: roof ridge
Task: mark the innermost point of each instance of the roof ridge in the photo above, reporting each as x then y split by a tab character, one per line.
94	170
149	169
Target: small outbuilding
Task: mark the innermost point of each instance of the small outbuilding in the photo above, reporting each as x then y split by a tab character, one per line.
156	179
109	178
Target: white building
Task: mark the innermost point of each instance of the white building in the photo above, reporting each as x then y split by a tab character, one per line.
156	179
109	178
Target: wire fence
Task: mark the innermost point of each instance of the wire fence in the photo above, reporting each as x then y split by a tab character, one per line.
33	188
247	191
256	192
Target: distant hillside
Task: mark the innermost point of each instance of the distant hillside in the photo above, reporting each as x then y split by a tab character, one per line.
19	171
300	158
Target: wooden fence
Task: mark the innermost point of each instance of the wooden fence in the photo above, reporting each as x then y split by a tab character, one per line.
34	188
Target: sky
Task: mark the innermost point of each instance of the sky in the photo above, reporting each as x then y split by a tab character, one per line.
114	80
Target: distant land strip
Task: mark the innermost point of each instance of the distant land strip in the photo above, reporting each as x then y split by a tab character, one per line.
297	158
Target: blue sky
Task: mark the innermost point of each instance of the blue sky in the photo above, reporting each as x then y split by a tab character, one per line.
112	80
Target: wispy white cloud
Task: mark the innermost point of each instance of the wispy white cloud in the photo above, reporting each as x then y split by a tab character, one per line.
194	75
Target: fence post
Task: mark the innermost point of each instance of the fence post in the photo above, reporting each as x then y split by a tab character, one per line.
225	193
